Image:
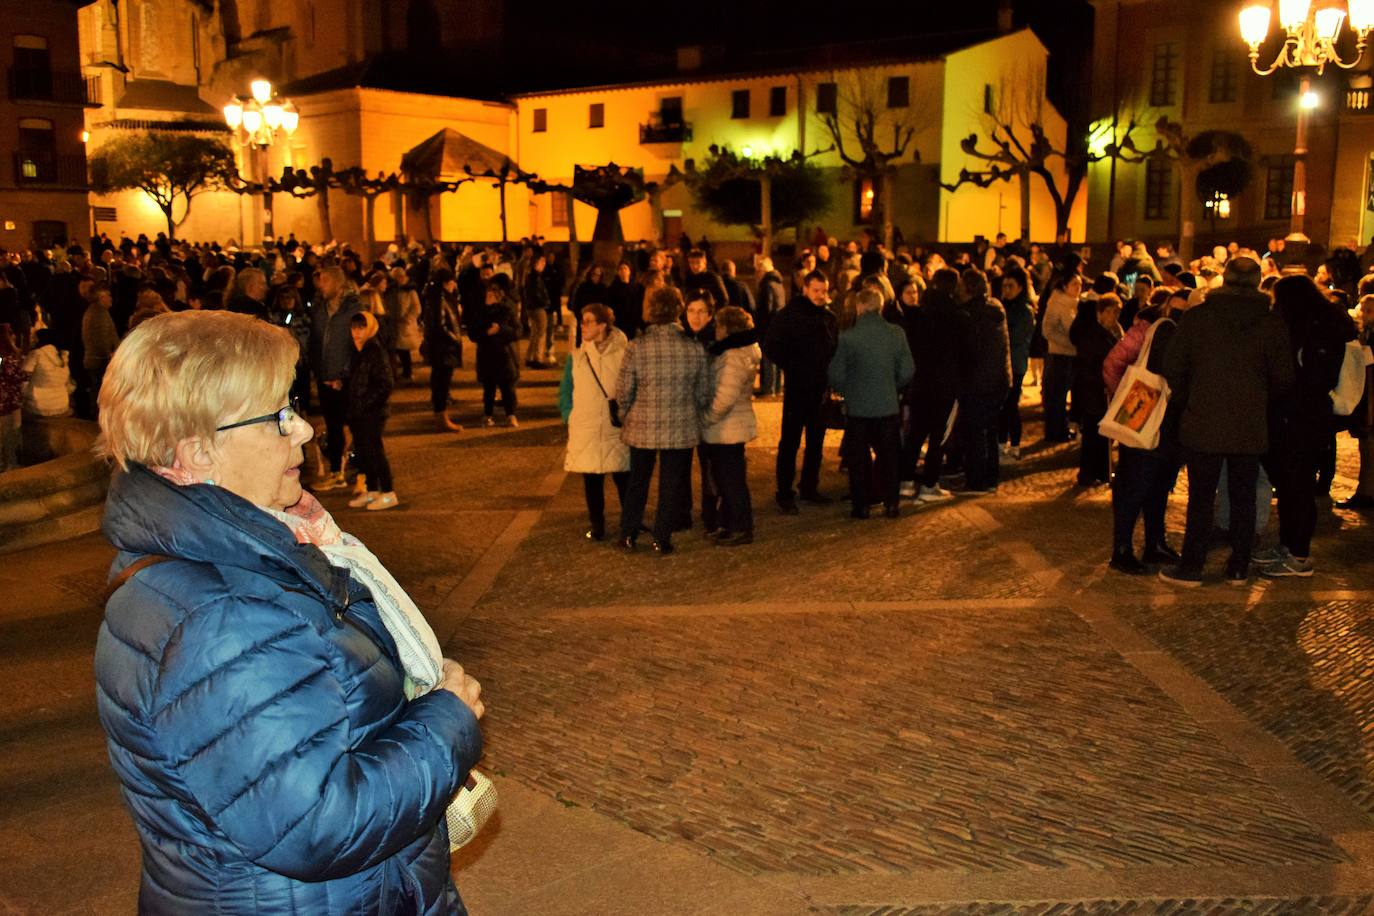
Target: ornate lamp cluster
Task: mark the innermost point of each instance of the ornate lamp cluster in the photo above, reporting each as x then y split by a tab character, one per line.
262	115
1311	33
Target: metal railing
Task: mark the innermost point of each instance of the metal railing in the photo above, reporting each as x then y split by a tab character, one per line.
40	167
659	132
33	84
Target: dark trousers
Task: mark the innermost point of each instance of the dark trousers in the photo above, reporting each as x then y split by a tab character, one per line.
507	397
1142	486
403	358
440	378
769	378
1293	467
1204	473
1094	454
1054	394
710	495
978	417
801	412
928	418
594	489
334	408
868	437
1009	422
677	463
370	452
730	476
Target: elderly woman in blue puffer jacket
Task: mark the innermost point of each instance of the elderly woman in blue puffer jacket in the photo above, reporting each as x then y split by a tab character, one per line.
258	711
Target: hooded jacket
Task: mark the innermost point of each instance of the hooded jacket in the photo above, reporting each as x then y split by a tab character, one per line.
734	362
254	712
369	381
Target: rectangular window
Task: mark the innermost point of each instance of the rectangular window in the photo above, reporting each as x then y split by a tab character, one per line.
560	209
541	120
1278	188
865	196
1164	74
670	110
739	103
777	101
1225	69
596	114
1159	180
31	76
827	98
898	91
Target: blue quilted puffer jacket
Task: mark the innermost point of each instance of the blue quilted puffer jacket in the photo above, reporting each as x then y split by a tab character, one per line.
255	717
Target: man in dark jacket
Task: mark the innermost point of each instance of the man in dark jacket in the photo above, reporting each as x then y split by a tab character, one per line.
699	276
331	354
986	382
800	340
250	293
942	353
871	365
1227	364
739	294
772	296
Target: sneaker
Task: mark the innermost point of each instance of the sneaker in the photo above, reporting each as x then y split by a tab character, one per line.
1009	456
488	422
908	489
512	421
1125	562
1265	556
327	482
383	501
1181	576
359	487
1237	578
736	539
1161	554
362	499
936	494
1288	566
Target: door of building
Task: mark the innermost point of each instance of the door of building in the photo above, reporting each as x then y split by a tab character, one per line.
672	228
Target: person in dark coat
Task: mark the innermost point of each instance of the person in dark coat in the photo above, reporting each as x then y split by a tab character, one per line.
1229	362
986	382
443	341
699	276
369	389
738	293
1094	333
537	306
255	707
772	296
942	343
620	298
1020	332
1303	423
331	353
800	341
496	331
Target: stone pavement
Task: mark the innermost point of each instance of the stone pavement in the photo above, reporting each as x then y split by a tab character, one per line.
958	712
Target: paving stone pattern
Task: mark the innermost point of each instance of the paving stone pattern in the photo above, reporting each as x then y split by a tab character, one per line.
1232	906
1304	672
845	743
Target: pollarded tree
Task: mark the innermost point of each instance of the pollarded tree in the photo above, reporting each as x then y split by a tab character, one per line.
167	167
873	137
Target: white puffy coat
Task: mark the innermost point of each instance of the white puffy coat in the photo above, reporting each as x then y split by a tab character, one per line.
730	418
594	445
49	389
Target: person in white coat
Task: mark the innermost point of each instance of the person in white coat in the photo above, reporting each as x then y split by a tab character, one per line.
595	448
729	422
49	389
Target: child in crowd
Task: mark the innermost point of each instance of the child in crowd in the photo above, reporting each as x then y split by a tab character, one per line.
369	388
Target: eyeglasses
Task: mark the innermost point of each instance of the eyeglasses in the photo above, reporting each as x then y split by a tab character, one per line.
284	418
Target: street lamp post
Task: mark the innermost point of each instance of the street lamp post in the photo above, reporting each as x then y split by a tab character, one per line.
1309	44
255	124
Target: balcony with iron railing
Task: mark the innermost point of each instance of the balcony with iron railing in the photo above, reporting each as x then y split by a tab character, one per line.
659	130
64	87
41	168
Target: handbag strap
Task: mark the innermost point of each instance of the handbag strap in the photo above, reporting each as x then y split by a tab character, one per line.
133	569
1143	360
596	377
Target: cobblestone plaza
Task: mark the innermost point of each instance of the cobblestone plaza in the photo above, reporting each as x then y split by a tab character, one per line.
957	712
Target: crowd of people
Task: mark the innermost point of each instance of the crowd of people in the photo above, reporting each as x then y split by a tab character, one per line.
921	356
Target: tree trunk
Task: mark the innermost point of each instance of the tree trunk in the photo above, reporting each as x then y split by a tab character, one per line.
1188	205
887	179
766	214
322	207
501	188
574	247
369	231
171	224
1023	182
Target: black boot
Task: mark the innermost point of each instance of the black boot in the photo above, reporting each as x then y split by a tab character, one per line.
1124	561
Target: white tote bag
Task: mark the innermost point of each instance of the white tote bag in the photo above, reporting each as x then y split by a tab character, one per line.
1345	397
1137	409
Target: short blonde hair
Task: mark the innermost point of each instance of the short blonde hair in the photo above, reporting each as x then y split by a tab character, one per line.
180	375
